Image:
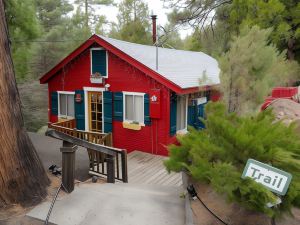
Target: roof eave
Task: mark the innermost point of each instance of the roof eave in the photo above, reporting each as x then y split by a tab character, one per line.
195	89
45	78
148	71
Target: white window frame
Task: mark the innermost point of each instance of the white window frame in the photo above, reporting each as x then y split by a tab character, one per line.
86	106
91	60
184	130
58	101
124	106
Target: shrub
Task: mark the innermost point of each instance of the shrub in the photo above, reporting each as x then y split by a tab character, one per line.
218	155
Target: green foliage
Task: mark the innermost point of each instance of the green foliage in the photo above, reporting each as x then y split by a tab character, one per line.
280	15
23	26
213	42
52	13
251	68
218	154
90	16
56	26
170	37
21	18
133	22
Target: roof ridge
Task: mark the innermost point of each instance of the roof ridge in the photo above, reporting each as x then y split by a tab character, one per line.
170	49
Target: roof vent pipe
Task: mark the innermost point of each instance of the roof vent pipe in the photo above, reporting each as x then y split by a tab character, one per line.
154	17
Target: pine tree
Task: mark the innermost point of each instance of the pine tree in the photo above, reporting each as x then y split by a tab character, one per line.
251	68
55	27
89	12
218	154
280	15
23	28
133	22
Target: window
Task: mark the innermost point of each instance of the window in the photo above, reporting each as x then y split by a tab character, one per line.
66	104
98	62
181	121
134	107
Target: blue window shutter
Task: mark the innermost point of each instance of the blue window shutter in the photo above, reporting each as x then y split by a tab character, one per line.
173	114
191	115
118	106
80	111
54	103
99	62
147	119
107	108
200	114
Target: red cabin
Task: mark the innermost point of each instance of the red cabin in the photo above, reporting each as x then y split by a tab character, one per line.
143	95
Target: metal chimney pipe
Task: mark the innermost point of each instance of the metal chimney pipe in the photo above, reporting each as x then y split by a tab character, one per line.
154	17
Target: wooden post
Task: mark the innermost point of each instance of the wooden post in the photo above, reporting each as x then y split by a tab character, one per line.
110	160
124	167
68	165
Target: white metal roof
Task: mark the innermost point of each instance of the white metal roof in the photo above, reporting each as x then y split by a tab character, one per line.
184	68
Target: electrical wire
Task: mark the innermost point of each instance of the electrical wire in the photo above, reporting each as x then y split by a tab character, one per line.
41	41
191	190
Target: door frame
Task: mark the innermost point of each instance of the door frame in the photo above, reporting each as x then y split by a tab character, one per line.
86	106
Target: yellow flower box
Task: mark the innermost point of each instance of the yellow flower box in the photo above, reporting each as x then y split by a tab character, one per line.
132	126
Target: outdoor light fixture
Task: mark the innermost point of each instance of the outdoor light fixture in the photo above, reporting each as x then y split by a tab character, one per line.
191	190
107	86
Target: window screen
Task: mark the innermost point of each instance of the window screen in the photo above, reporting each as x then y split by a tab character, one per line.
134	108
66	105
181	113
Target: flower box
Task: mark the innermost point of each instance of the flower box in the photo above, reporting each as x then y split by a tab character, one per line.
96	78
132	126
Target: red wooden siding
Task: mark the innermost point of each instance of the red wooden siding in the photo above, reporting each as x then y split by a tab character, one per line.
121	77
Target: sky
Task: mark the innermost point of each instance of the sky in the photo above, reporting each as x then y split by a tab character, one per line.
155	6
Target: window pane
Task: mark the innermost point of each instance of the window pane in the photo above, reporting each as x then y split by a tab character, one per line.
62	104
138	108
71	105
129	107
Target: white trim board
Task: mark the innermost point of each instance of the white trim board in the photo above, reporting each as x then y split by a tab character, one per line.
86	107
136	94
58	102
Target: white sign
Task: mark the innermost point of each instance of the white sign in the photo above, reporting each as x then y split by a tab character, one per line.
201	100
272	178
154	98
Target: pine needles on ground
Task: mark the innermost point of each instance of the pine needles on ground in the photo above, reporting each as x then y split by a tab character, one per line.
218	155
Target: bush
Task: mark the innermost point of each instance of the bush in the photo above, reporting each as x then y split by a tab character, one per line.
218	155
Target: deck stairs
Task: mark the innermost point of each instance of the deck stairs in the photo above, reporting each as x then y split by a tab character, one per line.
148	169
151	197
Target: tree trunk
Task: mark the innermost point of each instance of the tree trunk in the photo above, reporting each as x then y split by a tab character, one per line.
291	49
22	177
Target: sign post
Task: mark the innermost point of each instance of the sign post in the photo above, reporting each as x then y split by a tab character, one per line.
272	178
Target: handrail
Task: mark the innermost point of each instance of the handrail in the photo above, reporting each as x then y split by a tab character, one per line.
83	143
99	146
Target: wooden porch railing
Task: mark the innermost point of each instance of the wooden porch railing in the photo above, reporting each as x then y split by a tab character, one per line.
69	127
98	159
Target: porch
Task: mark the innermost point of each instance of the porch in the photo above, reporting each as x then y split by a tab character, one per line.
104	160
